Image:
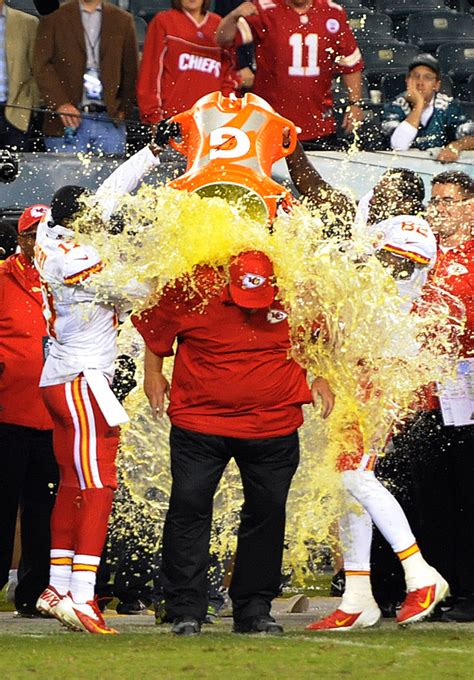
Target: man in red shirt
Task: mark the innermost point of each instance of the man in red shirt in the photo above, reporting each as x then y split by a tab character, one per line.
235	393
441	454
300	46
181	61
29	472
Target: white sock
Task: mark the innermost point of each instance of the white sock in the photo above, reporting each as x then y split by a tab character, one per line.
84	573
418	572
356	538
13	576
358	593
60	570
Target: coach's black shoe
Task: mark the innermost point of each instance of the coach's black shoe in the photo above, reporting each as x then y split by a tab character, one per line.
161	615
132	608
258	624
26	613
462	612
338	584
186	625
389	609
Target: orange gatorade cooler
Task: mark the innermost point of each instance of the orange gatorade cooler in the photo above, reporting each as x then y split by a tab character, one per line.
231	145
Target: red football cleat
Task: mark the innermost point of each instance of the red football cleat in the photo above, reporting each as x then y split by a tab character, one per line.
48	601
341	620
420	603
83	616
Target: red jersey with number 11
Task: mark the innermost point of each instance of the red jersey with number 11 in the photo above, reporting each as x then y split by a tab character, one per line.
297	57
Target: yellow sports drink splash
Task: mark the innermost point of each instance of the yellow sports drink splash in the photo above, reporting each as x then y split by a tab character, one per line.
231	145
221	206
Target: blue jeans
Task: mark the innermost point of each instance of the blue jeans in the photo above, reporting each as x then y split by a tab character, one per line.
94	135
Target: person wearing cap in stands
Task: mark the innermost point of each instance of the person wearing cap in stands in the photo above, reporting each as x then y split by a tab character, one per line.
424	118
235	393
407	246
29	471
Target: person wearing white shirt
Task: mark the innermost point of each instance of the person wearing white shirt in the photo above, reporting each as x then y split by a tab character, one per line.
423	118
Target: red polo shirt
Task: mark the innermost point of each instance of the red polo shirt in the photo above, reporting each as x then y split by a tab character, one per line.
454	272
232	373
22	337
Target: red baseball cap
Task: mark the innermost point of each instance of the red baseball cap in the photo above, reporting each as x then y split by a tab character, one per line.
250	280
31	216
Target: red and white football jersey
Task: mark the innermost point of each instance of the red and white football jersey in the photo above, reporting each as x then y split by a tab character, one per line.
82	333
297	57
181	63
82	330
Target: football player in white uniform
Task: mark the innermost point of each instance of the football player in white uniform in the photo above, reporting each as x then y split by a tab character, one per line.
407	244
75	381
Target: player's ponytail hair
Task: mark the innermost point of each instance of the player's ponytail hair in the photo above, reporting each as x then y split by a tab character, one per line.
176	4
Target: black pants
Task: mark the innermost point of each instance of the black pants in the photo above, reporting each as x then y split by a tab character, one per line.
442	465
197	464
10	136
28	480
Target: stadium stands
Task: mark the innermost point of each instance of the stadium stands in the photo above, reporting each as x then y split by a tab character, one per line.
23	5
404	7
470	88
140	27
457	59
146	9
368	25
363	5
428	30
382	57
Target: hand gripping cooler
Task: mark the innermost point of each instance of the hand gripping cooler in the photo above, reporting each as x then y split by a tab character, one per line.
231	145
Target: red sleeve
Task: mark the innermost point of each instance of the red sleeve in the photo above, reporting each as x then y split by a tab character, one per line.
231	80
347	54
150	75
159	325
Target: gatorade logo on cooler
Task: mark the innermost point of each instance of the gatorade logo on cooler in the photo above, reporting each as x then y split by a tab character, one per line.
231	145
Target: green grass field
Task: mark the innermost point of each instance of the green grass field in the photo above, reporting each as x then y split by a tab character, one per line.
144	651
42	650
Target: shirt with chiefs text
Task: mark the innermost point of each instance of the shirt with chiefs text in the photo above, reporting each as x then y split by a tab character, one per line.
181	63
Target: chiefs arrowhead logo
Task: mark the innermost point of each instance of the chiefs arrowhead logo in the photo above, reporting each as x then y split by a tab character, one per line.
276	315
457	269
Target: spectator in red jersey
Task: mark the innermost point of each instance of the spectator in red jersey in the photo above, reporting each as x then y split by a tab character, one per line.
29	472
235	393
300	46
441	454
181	61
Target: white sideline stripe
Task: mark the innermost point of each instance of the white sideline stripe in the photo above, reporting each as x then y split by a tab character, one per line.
330	637
77	434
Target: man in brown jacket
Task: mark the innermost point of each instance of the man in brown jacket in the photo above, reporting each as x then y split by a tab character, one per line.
86	61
